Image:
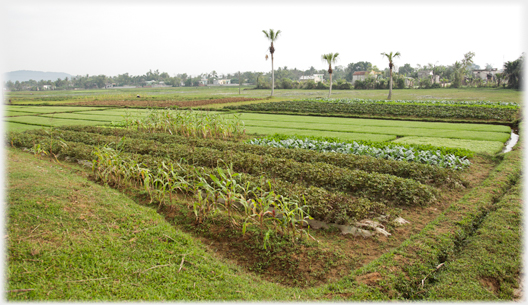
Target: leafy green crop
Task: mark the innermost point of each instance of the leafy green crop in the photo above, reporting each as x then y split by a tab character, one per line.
473	112
393	152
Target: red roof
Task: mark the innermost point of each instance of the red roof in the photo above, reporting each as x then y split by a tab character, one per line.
360	73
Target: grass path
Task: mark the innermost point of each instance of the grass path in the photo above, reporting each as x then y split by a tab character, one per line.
71	239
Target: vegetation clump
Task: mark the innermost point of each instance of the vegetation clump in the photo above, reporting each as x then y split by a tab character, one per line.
393	152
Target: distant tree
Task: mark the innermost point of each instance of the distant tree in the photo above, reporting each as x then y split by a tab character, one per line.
390	56
330	58
406	69
513	72
272	36
458	72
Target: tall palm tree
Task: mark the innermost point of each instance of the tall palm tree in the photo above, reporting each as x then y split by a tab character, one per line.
390	57
330	58
272	36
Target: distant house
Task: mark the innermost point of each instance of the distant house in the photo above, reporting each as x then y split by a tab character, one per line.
429	74
110	85
316	78
485	73
222	82
46	87
362	75
203	82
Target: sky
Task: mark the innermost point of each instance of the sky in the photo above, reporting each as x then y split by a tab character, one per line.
115	37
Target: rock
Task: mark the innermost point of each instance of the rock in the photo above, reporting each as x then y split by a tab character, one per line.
316	224
400	221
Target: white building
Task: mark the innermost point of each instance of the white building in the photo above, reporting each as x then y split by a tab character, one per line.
222	82
316	78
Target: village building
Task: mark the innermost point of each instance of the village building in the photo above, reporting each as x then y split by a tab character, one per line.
362	75
485	73
222	82
429	74
316	78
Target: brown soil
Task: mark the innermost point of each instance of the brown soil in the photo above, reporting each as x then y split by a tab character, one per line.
143	103
490	283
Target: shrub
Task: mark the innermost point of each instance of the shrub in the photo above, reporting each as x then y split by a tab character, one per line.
321	85
359	84
309	84
345	86
400	83
286	83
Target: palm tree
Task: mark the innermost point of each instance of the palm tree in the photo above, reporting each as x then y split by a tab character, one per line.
390	57
330	58
272	36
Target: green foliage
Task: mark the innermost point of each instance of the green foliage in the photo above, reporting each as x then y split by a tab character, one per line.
391	153
422	109
187	123
310	84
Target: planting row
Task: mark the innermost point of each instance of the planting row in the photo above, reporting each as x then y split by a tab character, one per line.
398	153
335	206
458	152
420	102
423	173
187	123
500	114
213	193
375	186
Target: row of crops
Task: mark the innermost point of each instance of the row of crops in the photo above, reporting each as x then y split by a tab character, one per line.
256	183
388	151
473	111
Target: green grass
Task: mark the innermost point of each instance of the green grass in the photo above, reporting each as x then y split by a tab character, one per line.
19	127
319	133
49	109
483	269
71	239
490	147
198	93
354	122
50	121
86	117
396	131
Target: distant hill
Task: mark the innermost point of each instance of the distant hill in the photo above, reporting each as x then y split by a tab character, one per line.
25	75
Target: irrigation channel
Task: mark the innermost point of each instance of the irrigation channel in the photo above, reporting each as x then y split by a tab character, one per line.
514	138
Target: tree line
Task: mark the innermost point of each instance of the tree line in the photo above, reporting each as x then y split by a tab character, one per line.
458	74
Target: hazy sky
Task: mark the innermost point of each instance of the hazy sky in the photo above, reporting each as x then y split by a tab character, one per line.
115	37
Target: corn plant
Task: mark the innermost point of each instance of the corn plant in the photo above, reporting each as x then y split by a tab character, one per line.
188	123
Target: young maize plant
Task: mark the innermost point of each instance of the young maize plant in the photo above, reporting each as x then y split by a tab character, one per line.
187	123
218	192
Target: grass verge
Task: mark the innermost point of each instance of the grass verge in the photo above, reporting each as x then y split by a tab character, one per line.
70	239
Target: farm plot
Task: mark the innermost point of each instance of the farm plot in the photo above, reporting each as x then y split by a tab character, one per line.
480	112
263	196
164	103
49	121
266	208
370	122
49	109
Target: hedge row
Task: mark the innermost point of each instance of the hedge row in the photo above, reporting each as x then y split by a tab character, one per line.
423	173
422	111
385	188
324	205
